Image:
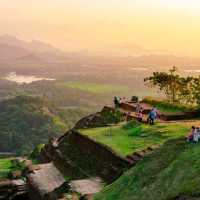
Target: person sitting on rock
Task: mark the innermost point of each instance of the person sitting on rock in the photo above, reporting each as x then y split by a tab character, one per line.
198	131
196	135
190	137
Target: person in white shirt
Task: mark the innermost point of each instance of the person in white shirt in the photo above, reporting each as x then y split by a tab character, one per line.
196	135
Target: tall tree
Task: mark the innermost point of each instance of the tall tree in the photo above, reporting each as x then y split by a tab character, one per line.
166	82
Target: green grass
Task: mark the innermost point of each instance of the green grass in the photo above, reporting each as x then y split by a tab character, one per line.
95	87
5	167
169	172
167	107
126	139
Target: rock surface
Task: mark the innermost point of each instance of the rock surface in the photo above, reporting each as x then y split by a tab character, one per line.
44	182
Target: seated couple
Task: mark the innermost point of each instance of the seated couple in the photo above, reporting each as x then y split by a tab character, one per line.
194	135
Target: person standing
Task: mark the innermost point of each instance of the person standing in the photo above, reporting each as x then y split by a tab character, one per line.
140	116
152	117
116	102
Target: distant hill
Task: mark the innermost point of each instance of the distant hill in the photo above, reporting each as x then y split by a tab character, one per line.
12	48
29	58
11	52
26	122
33	46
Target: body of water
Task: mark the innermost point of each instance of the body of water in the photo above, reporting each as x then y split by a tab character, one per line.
21	79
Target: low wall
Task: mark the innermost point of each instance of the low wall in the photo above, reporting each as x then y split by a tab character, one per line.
128	106
78	156
180	116
131	107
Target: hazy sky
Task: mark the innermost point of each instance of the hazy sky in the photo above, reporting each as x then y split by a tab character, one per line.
171	25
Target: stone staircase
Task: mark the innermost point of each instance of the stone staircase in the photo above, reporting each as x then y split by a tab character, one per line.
134	158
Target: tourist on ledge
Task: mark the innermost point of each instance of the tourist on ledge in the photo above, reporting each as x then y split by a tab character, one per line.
191	134
116	102
152	117
194	135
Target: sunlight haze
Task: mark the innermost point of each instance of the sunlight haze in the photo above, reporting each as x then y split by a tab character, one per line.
159	26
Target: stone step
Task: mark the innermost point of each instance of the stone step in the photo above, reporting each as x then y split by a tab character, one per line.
131	162
138	154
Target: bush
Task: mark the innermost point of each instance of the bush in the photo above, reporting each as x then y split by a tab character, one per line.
167	105
112	116
133	127
130	125
36	152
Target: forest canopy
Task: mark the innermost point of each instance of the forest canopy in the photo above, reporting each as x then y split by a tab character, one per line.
26	122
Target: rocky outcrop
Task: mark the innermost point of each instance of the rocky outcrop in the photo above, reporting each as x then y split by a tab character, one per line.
107	116
86	187
45	182
91	121
80	157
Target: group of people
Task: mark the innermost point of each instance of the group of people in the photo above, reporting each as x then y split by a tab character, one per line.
194	135
152	116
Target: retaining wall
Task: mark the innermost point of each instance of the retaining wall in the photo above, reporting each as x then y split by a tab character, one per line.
78	156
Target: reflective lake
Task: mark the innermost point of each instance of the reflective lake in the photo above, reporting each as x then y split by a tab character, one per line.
21	79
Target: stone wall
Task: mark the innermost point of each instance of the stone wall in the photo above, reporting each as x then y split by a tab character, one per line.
128	106
78	156
180	116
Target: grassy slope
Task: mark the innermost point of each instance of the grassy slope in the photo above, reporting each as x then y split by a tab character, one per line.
170	171
127	139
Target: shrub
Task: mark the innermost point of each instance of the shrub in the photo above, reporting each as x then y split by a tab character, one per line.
167	105
133	127
112	116
36	152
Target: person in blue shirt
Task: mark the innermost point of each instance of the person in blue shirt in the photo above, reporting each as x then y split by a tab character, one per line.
152	116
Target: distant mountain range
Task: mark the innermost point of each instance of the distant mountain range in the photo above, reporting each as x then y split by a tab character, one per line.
14	49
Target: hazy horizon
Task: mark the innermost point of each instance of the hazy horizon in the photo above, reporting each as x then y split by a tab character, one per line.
131	27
